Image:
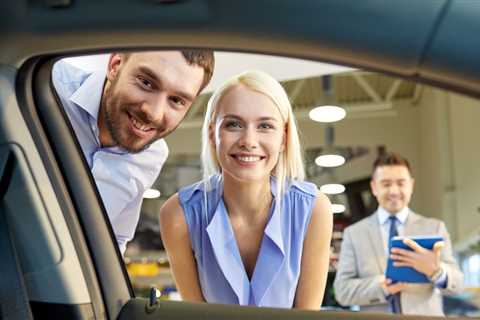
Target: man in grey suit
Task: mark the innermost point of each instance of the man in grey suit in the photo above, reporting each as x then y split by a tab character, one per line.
360	276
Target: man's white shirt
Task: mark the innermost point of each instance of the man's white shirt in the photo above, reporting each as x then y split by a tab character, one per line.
383	215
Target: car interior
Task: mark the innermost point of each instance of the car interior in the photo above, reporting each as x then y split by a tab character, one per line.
58	251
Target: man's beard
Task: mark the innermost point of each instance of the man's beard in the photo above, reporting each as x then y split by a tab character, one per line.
112	112
115	132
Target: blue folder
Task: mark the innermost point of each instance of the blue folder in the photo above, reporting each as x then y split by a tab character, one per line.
408	274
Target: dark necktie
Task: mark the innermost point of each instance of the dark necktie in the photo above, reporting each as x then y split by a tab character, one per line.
393	229
394	299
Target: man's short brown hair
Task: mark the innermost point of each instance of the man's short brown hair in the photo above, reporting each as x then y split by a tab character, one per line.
204	59
201	58
390	159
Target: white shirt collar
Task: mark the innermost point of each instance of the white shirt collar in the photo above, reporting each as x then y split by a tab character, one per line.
88	96
384	214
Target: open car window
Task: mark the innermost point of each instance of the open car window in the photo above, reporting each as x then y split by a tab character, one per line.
59	251
433	128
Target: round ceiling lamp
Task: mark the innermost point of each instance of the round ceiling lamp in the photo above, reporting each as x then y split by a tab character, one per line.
338	208
327	114
332	188
330	160
151	194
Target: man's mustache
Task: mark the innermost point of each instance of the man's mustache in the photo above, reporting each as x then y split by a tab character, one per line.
146	119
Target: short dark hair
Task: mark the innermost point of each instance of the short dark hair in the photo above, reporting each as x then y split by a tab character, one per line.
390	159
204	59
201	58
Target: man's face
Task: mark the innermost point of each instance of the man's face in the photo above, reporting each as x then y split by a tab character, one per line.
146	97
393	187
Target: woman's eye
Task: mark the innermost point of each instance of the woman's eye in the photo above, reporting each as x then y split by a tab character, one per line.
266	126
232	124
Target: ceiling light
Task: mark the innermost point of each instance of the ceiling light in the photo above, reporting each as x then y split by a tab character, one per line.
330	160
327	114
338	208
151	194
332	188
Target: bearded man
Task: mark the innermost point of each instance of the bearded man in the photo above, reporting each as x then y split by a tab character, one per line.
120	116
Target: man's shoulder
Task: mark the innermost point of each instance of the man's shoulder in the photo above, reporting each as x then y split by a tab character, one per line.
361	224
426	220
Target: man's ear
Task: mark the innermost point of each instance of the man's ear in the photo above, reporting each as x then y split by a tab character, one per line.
115	62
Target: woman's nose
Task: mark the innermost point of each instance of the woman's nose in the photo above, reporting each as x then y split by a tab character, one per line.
249	139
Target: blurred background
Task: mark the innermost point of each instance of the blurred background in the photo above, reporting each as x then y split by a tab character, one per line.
435	129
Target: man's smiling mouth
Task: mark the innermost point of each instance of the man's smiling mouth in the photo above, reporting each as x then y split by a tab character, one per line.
139	124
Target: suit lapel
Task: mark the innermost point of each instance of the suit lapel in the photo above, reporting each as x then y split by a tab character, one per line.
413	225
376	241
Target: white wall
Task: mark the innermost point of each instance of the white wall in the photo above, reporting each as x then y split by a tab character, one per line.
465	136
435	174
449	158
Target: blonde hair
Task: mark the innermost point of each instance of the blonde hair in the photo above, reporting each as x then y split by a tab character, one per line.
290	161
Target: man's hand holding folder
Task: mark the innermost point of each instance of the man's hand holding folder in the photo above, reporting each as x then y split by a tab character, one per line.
390	288
421	259
424	259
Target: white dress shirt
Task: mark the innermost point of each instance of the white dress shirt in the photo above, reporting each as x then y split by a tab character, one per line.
121	177
383	216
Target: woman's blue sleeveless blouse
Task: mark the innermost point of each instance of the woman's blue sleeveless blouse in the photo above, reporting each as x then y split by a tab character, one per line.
221	272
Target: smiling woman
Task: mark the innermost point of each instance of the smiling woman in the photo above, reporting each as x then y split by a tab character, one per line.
252	213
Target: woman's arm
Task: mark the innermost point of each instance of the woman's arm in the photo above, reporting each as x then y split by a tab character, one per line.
176	239
315	256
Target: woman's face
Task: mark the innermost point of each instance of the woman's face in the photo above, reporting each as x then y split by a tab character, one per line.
248	135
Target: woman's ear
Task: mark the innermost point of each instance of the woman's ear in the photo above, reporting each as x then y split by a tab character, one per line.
114	64
211	134
284	139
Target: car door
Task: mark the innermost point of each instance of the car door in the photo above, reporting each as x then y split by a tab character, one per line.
59	258
62	251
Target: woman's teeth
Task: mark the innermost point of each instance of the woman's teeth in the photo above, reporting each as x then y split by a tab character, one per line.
249	158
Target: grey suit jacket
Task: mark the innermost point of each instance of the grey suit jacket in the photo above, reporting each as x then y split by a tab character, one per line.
362	263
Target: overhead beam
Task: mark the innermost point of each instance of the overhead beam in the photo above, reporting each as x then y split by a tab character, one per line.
363	83
393	90
300	84
417	93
